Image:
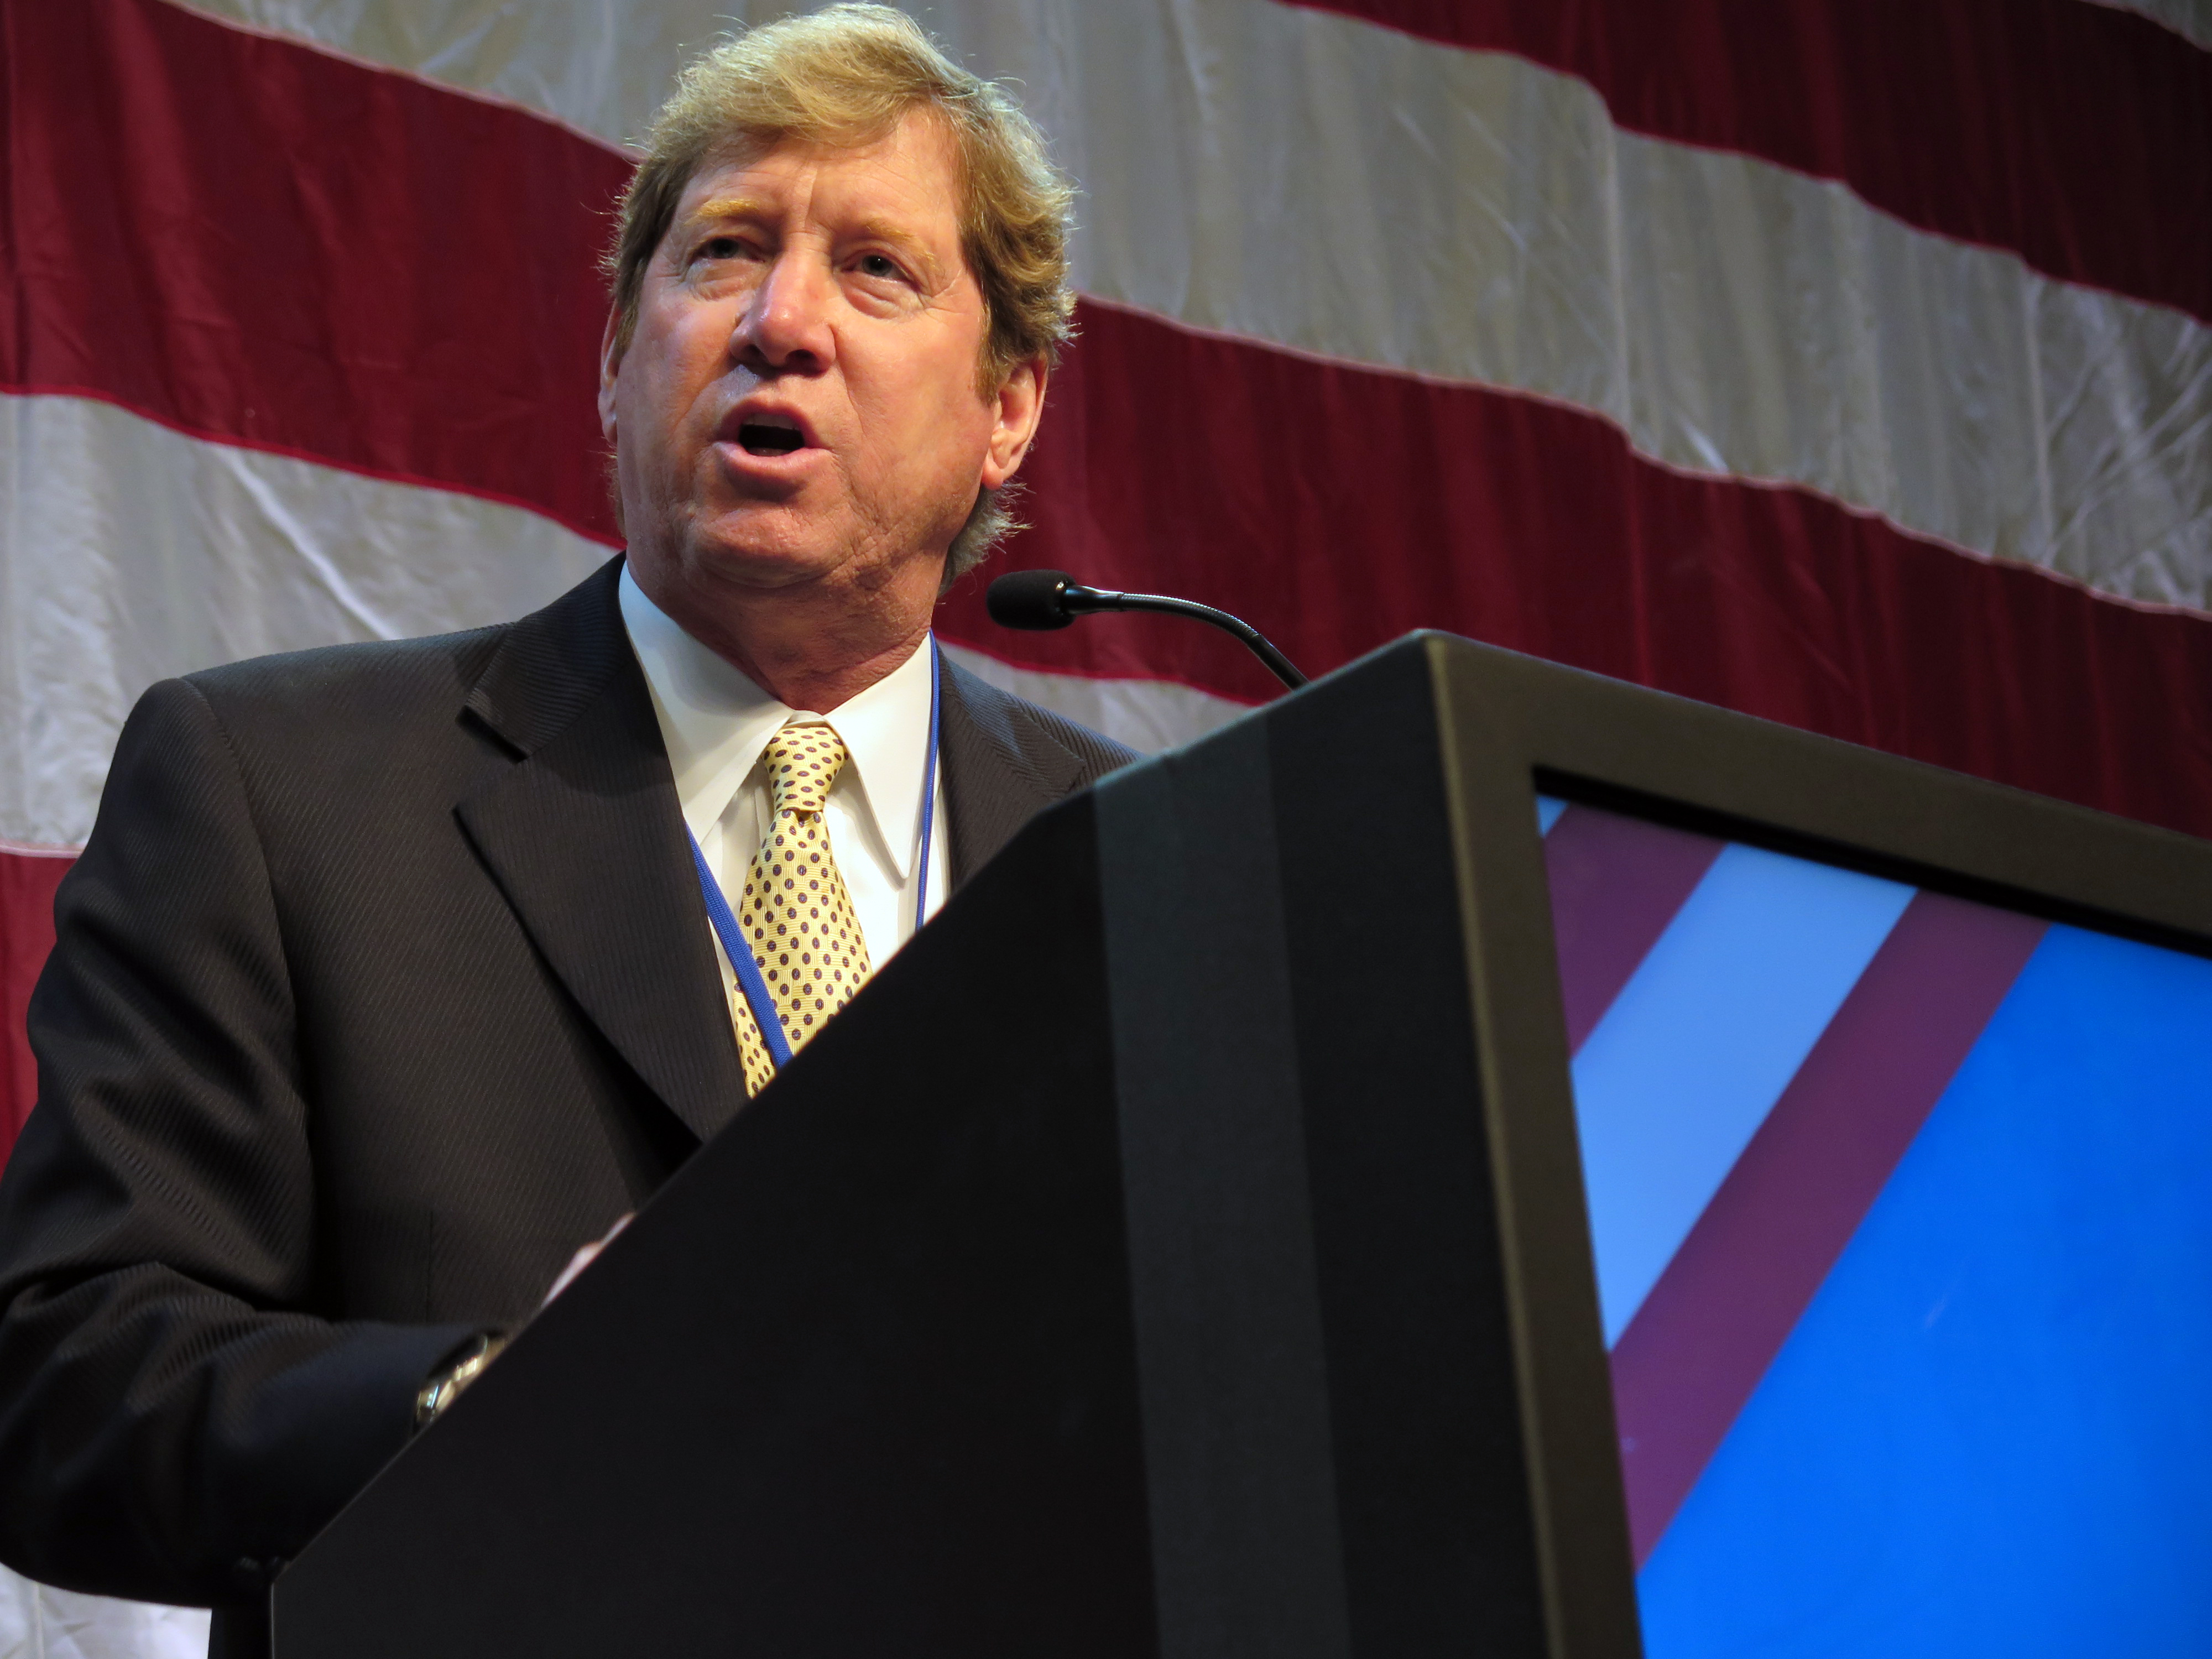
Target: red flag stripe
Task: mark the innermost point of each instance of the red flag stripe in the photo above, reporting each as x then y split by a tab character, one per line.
1337	507
2077	136
303	255
28	881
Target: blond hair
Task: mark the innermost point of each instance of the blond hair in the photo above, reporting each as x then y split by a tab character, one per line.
848	74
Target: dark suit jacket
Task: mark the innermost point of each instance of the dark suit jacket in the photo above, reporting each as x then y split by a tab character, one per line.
383	984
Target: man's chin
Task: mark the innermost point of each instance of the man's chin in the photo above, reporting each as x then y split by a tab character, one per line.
765	555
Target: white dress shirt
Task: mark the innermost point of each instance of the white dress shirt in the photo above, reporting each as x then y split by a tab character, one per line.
716	723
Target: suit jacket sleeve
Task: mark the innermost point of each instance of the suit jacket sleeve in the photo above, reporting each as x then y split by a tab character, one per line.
175	1417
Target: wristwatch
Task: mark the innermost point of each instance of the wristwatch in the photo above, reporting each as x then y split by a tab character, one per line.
446	1383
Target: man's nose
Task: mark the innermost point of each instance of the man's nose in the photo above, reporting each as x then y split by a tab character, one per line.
786	327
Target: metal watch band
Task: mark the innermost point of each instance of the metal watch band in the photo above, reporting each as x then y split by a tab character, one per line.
445	1385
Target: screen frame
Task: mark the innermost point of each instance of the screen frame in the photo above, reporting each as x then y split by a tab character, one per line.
1512	727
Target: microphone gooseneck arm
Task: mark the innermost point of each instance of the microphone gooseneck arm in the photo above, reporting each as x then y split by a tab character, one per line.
1039	599
1083	600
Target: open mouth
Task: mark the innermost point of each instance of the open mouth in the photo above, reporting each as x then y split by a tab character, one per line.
768	437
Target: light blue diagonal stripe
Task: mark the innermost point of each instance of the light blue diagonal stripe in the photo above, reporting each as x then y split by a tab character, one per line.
1548	808
1701	1042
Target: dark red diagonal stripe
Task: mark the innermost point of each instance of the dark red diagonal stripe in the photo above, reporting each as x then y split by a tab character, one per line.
2077	136
254	240
1616	883
1716	1318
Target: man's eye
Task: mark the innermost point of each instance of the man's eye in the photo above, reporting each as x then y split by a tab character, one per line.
720	248
881	266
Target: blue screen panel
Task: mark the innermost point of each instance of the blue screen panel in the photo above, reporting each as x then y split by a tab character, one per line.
1978	1430
1989	1434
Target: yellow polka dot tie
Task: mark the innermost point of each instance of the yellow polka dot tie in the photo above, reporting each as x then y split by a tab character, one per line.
795	910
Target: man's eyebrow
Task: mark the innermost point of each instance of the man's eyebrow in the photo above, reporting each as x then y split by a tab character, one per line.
728	206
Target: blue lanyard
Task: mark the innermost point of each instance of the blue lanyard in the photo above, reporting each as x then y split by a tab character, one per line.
740	953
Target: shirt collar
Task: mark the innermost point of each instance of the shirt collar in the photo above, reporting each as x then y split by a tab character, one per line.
715	721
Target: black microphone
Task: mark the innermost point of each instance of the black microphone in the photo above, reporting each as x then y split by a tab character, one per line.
1040	599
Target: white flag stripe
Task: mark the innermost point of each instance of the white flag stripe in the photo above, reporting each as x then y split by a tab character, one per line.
1306	181
133	552
1149	715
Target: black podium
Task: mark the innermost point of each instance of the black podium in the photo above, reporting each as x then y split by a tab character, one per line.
1178	1249
1123	1273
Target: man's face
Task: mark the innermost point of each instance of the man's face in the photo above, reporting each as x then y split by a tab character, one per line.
799	400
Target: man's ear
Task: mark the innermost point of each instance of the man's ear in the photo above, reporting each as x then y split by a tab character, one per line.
1020	404
611	356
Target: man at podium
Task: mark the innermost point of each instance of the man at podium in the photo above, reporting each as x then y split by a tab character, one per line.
394	972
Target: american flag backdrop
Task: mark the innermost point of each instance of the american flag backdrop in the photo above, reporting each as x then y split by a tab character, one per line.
1848	362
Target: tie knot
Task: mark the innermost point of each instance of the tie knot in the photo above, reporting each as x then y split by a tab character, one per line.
803	761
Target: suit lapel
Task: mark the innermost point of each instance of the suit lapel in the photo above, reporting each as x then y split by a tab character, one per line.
586	840
998	772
